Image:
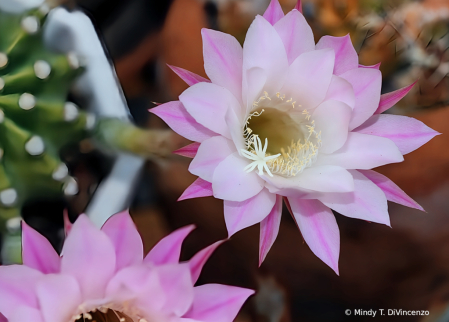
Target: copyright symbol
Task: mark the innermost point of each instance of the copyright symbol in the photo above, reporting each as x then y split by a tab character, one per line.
348	312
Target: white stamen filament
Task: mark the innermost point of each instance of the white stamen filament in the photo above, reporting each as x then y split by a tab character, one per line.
258	156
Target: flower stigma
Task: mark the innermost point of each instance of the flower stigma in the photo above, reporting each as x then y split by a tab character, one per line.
294	141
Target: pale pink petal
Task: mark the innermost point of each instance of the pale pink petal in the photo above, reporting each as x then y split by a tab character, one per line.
341	90
2	318
253	85
208	104
309	77
197	262
406	132
263	48
274	12
377	66
298	6
217	303
363	151
168	249
37	252
17	285
332	120
189	151
199	188
388	100
187	76
89	256
319	229
390	189
59	297
123	233
346	57
239	215
178	287
232	182
26	313
326	178
236	128
269	229
366	83
367	202
139	284
210	154
296	34
180	121
223	60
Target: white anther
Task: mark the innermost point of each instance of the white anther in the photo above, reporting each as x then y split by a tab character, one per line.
61	172
30	24
8	196
42	69
35	146
27	101
3	60
70	112
71	187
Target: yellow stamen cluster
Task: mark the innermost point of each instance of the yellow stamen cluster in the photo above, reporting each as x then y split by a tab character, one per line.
109	312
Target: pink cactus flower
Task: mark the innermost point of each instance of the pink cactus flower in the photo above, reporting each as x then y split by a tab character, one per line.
103	276
285	118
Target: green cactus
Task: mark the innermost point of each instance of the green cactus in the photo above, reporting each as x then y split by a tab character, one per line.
36	120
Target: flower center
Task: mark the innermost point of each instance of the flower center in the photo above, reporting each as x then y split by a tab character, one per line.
291	140
108	313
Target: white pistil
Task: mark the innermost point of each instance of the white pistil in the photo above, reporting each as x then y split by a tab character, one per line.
258	156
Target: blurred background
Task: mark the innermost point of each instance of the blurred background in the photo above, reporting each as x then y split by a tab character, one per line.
406	267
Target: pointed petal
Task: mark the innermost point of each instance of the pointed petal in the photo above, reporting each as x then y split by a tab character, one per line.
332	120
406	132
345	55
263	48
87	244
37	252
59	296
367	202
67	224
254	82
298	6
187	76
223	60
362	151
217	303
199	188
239	215
296	35
341	90
366	83
178	287
232	182
26	313
197	262
189	151
309	77
274	12
269	229
388	100
326	178
168	249
124	236
390	189
180	121
210	154
319	228
17	285
208	104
